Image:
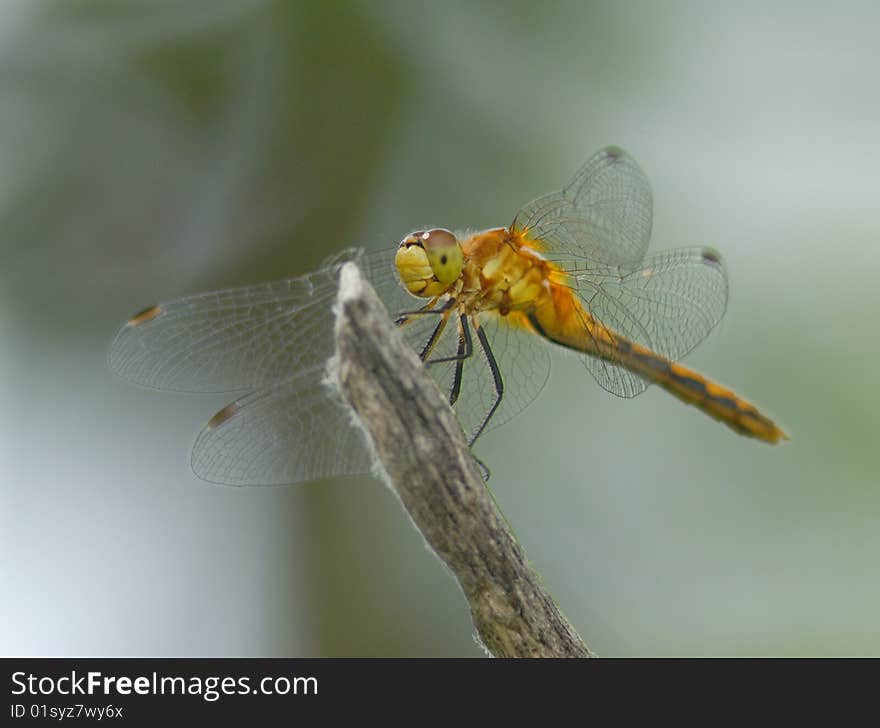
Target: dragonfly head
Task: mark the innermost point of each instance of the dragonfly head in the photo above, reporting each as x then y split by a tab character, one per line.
429	261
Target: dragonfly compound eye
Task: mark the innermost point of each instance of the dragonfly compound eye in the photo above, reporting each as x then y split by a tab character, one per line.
428	261
444	254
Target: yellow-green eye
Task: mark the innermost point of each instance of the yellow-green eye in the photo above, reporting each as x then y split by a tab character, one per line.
444	254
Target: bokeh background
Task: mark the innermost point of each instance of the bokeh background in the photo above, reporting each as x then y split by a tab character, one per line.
150	149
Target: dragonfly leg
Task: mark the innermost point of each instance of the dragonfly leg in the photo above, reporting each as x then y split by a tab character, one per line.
465	351
405	317
465	345
435	336
485	473
496	378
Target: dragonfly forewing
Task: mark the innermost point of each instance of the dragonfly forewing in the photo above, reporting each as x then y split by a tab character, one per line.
603	215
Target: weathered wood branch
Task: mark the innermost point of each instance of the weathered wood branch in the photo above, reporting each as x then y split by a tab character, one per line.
423	451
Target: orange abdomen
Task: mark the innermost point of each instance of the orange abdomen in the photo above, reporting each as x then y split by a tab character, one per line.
561	318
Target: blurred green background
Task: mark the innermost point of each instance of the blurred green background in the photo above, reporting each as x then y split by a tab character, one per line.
152	149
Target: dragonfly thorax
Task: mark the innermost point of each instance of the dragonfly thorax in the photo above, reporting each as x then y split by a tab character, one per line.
504	273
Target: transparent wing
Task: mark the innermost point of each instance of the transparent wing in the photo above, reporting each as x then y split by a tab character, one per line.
296	430
274	340
292	432
604	214
669	305
242	338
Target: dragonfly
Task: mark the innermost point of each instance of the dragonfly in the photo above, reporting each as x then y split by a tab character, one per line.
571	269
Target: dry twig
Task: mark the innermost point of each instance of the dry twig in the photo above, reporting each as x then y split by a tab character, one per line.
423	452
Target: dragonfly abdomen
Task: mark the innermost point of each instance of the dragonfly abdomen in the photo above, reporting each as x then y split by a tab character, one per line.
564	322
710	397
